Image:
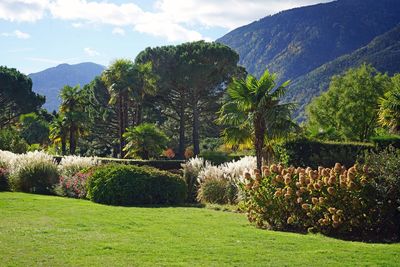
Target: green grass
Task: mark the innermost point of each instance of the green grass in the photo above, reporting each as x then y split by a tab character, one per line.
53	231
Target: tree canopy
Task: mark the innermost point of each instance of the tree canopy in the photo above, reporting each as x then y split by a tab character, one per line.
350	105
16	96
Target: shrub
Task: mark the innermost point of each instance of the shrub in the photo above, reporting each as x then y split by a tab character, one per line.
76	185
33	172
133	185
11	140
304	152
191	170
3	179
216	191
334	201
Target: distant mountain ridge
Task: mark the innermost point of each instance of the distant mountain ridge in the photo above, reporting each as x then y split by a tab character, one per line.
49	81
294	42
310	44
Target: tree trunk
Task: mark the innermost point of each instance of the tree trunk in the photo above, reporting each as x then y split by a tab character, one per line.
72	139
139	114
259	128
63	145
196	126
181	153
121	127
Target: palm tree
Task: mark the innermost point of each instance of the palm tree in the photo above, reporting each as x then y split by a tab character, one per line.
59	132
389	107
73	110
127	83
253	113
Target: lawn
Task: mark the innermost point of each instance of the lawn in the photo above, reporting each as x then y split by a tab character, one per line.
54	231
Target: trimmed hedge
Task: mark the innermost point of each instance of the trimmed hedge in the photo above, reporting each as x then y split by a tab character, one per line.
127	185
159	164
382	142
305	152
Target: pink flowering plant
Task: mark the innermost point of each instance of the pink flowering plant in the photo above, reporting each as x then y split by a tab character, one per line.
74	186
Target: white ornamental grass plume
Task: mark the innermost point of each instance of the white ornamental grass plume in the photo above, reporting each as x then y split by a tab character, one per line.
29	159
210	172
6	158
235	170
71	165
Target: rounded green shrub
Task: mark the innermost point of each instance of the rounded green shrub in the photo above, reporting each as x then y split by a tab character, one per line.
34	172
133	185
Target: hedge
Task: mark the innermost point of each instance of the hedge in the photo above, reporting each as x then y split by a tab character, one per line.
159	164
118	184
305	152
382	142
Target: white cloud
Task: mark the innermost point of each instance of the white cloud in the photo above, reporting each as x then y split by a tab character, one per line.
174	20
118	31
17	33
225	13
91	52
22	10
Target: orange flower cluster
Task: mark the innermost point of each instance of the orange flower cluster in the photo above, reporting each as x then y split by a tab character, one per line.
325	200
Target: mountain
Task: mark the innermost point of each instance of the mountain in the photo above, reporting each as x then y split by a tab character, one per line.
295	42
383	53
49	82
310	44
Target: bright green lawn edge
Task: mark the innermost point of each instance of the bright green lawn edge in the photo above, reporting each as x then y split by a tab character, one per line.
52	231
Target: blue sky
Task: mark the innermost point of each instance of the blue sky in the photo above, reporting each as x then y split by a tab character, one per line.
38	34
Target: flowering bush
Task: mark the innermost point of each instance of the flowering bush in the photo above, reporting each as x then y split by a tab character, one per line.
333	201
76	185
6	159
33	172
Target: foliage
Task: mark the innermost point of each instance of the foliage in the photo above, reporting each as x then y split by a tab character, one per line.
384	166
127	84
145	141
72	114
191	81
335	201
191	170
215	157
253	113
382	142
16	96
304	152
11	140
350	104
4	186
33	172
58	132
216	191
389	107
34	128
383	53
75	185
133	185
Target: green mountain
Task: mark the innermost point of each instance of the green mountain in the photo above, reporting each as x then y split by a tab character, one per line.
383	53
49	82
294	42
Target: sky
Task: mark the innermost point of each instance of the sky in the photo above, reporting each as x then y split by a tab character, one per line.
38	34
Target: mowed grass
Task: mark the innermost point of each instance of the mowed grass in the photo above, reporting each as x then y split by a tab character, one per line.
53	231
